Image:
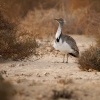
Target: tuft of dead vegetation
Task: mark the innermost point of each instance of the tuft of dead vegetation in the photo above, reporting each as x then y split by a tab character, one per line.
62	94
90	59
36	17
98	40
11	46
64	81
9	7
7	91
41	21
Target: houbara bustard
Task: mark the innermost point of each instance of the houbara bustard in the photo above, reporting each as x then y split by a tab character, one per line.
64	43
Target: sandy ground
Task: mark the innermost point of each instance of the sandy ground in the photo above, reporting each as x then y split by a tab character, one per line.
46	78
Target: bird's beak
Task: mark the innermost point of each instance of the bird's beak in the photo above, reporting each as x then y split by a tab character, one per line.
56	19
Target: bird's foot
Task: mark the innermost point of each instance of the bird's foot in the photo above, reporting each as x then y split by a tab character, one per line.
66	61
62	62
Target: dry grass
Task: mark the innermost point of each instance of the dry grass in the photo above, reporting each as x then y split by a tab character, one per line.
65	81
62	94
11	45
7	90
98	40
90	59
79	15
22	7
41	22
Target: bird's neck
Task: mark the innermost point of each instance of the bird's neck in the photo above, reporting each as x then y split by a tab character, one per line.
59	31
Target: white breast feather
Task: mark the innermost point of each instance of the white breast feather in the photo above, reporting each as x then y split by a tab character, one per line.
58	32
63	47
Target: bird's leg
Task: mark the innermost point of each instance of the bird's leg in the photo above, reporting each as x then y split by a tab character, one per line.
67	58
56	53
63	58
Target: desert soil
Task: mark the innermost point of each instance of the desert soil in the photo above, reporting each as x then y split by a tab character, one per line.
45	77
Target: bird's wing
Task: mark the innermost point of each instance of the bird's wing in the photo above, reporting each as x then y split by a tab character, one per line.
71	42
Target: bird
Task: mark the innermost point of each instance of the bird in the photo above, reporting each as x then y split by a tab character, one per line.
65	43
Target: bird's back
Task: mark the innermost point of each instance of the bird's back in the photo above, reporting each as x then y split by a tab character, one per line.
68	39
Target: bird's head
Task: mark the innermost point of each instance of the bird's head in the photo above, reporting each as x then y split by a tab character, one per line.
60	21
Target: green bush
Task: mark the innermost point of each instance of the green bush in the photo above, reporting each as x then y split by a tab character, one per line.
90	59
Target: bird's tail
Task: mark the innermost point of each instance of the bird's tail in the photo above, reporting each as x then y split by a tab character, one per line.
75	54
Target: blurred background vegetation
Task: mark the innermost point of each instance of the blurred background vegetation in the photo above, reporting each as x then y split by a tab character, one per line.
22	21
81	15
19	8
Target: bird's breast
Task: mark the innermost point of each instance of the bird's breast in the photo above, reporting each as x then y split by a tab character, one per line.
62	46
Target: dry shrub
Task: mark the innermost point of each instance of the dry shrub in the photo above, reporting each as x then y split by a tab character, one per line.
98	40
20	50
62	94
82	16
90	59
64	81
10	46
41	22
7	90
22	7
